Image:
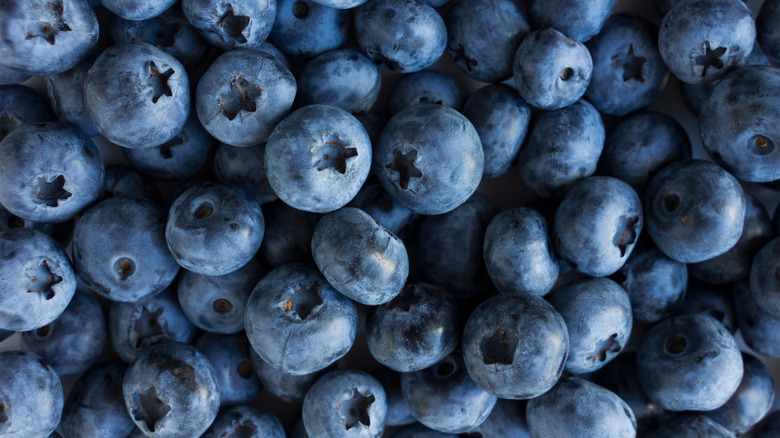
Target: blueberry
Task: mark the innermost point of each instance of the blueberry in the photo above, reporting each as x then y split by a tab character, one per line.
767	33
577	20
341	4
171	390
27	409
125	181
425	86
765	278
304	28
231	24
229	355
505	420
12	76
692	425
245	421
342	78
36	280
289	388
137	9
388	212
244	166
317	158
759	329
515	345
21	105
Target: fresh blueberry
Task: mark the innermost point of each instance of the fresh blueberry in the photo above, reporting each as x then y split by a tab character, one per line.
20	105
289	388
245	421
695	210
425	86
31	396
577	20
171	390
692	426
505	420
767	32
304	28
397	410
125	181
759	329
231	24
137	9
229	355
66	94
244	166
288	235
49	172
36	280
403	35
765	278
388	212
342	78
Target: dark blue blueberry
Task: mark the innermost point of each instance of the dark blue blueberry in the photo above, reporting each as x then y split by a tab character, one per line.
31	396
578	408
244	166
304	28
137	9
341	4
36	280
217	304
12	76
61	232
297	322
397	410
391	214
692	425
245	421
134	327
715	301
343	78
359	257
689	362
42	39
20	105
289	388
640	145
765	278
655	284
483	36
507	419
551	70
734	264
444	398
429	158
628	72
119	249
214	229
137	95
229	355
317	158
695	210
702	40
243	95
425	86
767	31
231	24
95	406
759	329
403	35
515	345
66	94
518	253
770	427
415	330
562	148
501	119
577	20
345	403
288	235
125	181
171	391
49	172
72	343
740	123
597	225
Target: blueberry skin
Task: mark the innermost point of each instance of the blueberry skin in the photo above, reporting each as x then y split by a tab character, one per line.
752	400
304	28
11	76
317	158
49	172
388	212
66	94
449	247
765	277
288	235
72	343
244	166
297	322
562	149
217	304
95	406
628	72
137	9
287	387
214	229
578	408
171	390
5	334
341	4
501	119
518	253
702	40
429	158
348	399
767	33
246	420
577	20
29	410
425	86
178	158
640	145
404	36
759	329
21	105
506	419
655	284
743	135
133	327
238	24
46	39
125	181
692	426
551	71
169	31
229	355
492	336
689	362
359	257
417	329
501	27
444	398
397	410
695	210
734	264
597	225
342	78
243	95
36	280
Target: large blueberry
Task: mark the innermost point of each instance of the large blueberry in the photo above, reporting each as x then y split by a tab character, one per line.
31	396
229	355
21	105
231	24
765	278
577	20
425	86
304	28
245	421
759	329
343	78
767	31
244	166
